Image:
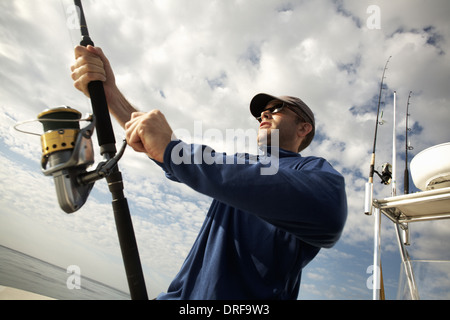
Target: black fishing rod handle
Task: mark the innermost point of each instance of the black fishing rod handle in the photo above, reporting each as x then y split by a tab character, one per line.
105	133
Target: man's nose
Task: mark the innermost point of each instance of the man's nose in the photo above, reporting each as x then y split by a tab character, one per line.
265	114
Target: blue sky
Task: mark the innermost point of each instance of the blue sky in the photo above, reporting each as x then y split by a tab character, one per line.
205	60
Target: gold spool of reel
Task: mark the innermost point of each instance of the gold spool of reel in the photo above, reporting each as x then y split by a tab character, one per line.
61	128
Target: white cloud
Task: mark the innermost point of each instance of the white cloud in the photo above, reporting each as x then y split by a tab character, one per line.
205	61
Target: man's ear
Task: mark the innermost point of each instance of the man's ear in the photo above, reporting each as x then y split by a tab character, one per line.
304	129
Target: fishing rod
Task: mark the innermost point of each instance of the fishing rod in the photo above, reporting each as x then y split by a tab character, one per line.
407	147
385	175
106	142
67	152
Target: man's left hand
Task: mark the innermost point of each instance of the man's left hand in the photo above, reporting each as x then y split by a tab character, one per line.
149	133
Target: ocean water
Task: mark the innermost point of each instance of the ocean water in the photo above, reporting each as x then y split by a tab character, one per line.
24	272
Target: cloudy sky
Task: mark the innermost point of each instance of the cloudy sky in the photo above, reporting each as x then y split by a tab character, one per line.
200	63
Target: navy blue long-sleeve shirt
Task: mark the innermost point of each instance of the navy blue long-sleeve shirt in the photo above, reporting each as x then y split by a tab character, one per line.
261	229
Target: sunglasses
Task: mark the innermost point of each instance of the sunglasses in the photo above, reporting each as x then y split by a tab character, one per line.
276	109
272	110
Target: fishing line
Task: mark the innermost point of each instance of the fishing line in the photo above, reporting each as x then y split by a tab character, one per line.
71	13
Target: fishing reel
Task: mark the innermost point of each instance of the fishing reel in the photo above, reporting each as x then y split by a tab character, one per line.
67	153
386	173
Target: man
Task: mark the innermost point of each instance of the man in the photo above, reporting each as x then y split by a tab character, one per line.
261	230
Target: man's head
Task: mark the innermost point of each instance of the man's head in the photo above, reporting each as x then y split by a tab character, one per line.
290	115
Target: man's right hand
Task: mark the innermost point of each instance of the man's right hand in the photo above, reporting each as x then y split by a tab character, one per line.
91	64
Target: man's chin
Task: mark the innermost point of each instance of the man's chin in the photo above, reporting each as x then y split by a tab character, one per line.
264	140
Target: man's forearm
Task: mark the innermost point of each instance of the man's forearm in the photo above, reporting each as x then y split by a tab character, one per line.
120	108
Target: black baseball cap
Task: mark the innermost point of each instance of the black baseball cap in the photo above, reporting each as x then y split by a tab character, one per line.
260	101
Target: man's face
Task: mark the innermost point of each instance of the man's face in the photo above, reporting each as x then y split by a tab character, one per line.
285	121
